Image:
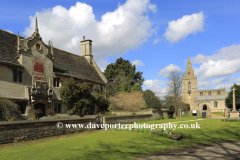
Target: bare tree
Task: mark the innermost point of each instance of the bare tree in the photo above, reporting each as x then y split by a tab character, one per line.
174	86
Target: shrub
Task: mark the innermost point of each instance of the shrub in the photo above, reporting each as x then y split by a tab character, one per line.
151	99
77	96
132	101
13	119
9	109
50	112
57	117
34	118
37	112
110	114
134	113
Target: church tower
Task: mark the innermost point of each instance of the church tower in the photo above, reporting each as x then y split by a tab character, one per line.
189	85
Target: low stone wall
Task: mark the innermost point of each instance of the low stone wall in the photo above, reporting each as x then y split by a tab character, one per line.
122	113
29	130
127	119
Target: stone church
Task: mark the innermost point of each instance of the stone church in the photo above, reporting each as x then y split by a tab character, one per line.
31	72
201	100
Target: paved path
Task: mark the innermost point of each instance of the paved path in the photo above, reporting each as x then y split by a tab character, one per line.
219	151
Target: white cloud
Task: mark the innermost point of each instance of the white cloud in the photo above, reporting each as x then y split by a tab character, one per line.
184	26
155	86
138	63
156	41
118	32
165	72
228	53
219	82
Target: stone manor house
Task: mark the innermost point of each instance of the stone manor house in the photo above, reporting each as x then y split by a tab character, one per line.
201	100
31	72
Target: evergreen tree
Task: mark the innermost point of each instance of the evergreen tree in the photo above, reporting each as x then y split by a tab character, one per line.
122	76
229	98
151	99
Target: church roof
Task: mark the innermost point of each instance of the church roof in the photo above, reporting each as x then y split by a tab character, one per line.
65	63
211	97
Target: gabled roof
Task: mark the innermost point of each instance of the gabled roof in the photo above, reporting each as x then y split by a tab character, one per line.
65	63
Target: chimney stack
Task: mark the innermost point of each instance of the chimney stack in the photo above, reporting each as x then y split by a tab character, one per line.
86	49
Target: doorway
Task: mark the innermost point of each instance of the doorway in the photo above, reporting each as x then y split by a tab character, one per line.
204	107
40	106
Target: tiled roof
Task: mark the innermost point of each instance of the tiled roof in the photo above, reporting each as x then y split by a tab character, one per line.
8	48
65	63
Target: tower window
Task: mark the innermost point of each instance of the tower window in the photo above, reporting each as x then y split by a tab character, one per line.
189	85
188	73
215	104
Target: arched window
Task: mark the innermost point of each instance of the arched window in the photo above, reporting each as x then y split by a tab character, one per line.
189	85
215	104
218	93
209	93
188	73
201	94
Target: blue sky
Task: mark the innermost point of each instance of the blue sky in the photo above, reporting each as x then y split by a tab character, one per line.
156	35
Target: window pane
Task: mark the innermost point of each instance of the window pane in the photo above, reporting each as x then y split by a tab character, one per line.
55	107
59	108
54	82
15	76
20	77
57	82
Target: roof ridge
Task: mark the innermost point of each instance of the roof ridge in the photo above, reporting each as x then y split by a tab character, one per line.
12	33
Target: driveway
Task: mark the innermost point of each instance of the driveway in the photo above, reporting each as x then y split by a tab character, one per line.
217	151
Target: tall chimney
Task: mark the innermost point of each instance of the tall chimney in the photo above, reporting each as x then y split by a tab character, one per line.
86	49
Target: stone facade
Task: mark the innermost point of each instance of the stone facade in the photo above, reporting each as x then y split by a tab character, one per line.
212	100
32	72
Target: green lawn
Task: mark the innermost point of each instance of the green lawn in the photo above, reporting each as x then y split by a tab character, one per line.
171	120
218	113
121	144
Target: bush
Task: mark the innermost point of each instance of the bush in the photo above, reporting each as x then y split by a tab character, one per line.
8	109
132	101
13	119
34	118
134	113
110	114
151	99
77	96
50	112
57	117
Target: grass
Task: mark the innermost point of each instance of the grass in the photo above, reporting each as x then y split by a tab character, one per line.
118	144
171	120
218	113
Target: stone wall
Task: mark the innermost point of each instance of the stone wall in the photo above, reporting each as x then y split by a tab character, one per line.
29	130
122	113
